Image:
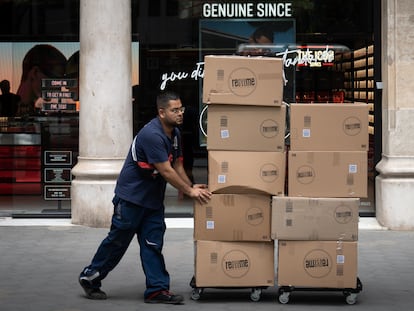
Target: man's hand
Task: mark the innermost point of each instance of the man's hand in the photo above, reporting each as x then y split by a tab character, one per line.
200	193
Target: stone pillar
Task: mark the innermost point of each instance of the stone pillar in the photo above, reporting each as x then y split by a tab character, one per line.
395	183
105	117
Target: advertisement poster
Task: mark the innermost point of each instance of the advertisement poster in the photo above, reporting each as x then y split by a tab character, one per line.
25	64
258	37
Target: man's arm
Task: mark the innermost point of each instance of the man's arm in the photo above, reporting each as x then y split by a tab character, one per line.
180	181
179	168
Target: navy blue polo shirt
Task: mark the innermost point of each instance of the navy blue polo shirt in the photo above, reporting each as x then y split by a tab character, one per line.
139	182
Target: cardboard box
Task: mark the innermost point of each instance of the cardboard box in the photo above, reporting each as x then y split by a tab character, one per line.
243	80
234	264
318	219
319	264
233	217
329	127
328	174
239	172
246	128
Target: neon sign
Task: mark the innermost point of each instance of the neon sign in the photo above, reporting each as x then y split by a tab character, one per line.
311	56
308	57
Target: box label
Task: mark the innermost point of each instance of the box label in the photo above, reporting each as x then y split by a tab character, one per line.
343	214
210	224
224	134
305	174
306	133
242	82
221	179
255	216
353	168
269	172
269	128
352	126
317	263
236	264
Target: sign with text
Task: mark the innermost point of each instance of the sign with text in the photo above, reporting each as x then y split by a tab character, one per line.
59	106
57	193
58	158
59	83
247	10
59	94
57	175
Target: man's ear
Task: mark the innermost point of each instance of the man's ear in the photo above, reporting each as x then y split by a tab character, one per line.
161	112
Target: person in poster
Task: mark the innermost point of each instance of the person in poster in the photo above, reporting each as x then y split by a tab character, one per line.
41	62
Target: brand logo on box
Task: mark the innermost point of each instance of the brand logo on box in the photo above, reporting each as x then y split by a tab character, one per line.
269	128
269	172
242	81
317	263
305	174
343	214
254	216
236	264
352	126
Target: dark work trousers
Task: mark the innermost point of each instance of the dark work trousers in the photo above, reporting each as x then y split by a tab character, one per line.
149	226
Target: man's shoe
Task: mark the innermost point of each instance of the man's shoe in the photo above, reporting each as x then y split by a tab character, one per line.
91	293
164	296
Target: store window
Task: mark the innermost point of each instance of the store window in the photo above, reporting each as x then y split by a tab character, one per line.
39	106
174	37
328	48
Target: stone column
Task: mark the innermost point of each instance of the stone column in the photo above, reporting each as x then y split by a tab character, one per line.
395	184
105	117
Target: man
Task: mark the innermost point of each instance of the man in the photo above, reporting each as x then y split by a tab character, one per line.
262	35
154	159
259	42
8	100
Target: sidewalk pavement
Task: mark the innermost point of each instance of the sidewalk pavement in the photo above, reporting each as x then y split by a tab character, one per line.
41	259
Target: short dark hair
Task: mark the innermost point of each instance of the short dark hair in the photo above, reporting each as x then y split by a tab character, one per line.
263	31
5	85
164	98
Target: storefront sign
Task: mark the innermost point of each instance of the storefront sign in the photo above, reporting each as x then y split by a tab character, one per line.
247	10
197	73
57	175
54	91
58	95
58	158
57	193
308	56
57	83
315	56
59	106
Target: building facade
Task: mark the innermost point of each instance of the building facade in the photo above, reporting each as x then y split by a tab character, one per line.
120	54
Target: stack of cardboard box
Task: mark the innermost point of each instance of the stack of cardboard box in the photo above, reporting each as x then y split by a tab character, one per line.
246	162
317	224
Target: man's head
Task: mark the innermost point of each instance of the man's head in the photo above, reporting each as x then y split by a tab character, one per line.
5	87
41	62
45	58
170	109
262	35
